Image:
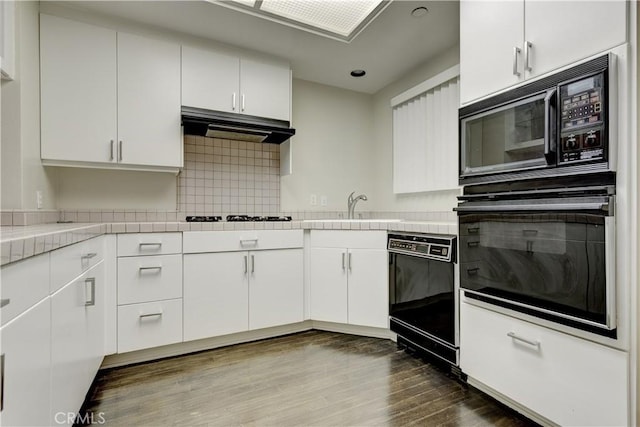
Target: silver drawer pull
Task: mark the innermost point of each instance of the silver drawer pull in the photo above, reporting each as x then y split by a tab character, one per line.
148	315
473	271
150	244
473	230
473	244
529	232
91	283
89	256
159	267
524	340
249	241
4	301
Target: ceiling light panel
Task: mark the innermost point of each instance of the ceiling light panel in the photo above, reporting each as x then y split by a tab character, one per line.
336	16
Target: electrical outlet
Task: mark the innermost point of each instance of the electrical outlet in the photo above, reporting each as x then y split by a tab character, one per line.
323	200
313	200
39	199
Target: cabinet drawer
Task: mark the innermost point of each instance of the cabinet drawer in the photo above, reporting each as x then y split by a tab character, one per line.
22	285
567	380
149	244
149	278
71	261
349	239
226	241
149	325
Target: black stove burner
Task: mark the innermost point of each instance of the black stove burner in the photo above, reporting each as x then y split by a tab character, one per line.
196	218
242	218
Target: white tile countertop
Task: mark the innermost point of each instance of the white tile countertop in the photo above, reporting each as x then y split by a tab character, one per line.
19	242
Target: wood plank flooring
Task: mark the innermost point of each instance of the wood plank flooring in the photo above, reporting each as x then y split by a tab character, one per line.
312	378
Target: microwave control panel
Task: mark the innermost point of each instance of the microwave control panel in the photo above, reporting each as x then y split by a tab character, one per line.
582	118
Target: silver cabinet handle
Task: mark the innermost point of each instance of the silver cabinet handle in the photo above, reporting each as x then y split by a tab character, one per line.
88	256
158	267
233	101
253	241
246	264
1	381
120	151
242	100
148	315
92	291
524	340
527	55
4	301
111	156
253	264
149	244
516	52
349	260
343	264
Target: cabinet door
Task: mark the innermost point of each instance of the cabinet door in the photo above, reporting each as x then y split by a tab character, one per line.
489	32
265	89
210	80
216	294
77	91
26	371
77	339
148	102
328	284
368	287
275	288
562	32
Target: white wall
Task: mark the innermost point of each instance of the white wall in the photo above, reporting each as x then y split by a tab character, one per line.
22	173
332	149
383	198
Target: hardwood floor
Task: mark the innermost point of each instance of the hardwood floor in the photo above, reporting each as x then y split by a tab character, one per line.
313	379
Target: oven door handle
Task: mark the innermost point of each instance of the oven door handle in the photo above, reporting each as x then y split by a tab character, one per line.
604	204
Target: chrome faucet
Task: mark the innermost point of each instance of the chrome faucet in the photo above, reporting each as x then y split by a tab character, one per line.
351	202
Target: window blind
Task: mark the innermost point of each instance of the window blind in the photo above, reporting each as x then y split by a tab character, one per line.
425	136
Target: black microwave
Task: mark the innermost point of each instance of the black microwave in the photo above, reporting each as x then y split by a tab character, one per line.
556	126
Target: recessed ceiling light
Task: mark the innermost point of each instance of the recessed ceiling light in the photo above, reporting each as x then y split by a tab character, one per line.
419	12
358	73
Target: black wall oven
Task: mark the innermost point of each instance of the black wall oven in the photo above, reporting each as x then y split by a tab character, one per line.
422	300
544	248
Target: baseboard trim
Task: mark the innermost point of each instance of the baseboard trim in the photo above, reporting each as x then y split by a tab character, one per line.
179	349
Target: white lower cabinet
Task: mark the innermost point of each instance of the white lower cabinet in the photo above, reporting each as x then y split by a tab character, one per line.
565	379
25	362
349	277
149	325
77	339
227	290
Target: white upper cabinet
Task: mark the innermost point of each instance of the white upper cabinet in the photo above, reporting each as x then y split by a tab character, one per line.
221	82
148	102
77	90
505	43
210	80
108	99
265	89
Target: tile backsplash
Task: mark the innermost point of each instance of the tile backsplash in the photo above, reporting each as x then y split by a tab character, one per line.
222	177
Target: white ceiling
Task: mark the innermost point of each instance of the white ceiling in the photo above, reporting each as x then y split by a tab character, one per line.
392	45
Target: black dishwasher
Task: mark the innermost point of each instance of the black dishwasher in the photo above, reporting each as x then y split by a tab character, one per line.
422	301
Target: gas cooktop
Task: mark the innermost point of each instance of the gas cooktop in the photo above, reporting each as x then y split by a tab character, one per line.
236	218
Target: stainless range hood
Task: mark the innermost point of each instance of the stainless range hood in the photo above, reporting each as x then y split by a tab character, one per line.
239	127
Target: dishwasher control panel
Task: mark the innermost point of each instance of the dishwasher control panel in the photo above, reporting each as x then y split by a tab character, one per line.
439	247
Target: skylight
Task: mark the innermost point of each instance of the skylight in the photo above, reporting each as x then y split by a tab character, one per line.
339	19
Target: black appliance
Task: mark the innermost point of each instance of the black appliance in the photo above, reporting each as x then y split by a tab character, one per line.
245	218
422	300
554	126
545	248
234	126
199	218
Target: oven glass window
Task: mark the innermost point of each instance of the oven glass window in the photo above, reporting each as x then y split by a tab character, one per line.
421	294
505	138
553	261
